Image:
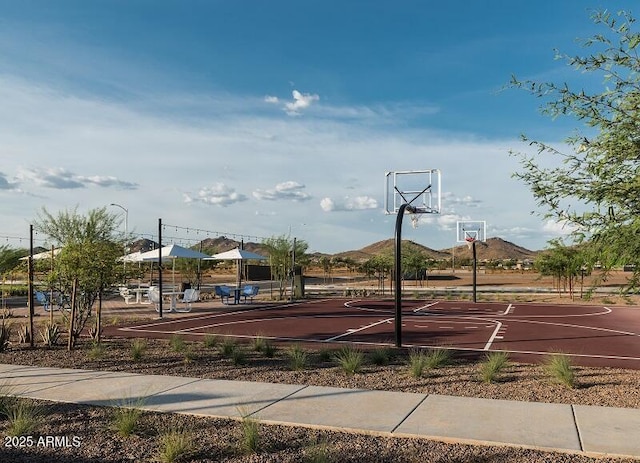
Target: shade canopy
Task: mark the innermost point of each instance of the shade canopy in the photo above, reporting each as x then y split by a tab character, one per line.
237	254
173	251
43	255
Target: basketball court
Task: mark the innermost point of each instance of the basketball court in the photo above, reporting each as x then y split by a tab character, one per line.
592	335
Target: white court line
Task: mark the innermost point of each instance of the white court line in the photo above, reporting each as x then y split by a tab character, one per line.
424	307
487	346
508	309
349	332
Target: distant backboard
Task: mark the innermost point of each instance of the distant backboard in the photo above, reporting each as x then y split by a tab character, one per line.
420	188
471	230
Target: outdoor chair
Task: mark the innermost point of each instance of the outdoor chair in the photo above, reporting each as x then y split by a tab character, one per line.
154	297
249	291
224	292
190	295
43	299
126	294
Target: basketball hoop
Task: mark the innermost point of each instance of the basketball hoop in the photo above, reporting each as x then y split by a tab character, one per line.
470	240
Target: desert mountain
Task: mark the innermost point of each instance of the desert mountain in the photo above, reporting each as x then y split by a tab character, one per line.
387	247
493	249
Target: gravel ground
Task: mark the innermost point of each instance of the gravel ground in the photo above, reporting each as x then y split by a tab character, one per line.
220	440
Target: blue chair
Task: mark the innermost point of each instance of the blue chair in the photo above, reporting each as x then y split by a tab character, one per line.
224	292
43	299
250	291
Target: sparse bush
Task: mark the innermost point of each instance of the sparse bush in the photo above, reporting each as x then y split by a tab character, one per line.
24	418
350	360
417	363
24	335
560	368
177	343
325	355
258	343
494	363
298	358
97	351
250	441
437	358
318	453
239	357
138	347
269	349
226	347
175	444
50	334
381	357
126	416
210	341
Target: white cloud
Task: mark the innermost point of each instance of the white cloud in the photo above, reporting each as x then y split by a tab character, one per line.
6	184
62	179
217	195
561	228
285	190
271	99
358	203
467	200
300	101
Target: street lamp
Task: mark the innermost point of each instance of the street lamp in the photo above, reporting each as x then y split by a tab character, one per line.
126	230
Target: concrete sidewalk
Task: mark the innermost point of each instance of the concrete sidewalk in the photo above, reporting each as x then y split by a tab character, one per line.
588	430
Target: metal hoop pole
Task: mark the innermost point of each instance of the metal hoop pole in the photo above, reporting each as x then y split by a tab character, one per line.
398	271
475	271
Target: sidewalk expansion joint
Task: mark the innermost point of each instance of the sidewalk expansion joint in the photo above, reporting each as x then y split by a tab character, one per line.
409	414
302	388
575	422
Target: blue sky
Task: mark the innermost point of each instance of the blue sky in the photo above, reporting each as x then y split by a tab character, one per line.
262	118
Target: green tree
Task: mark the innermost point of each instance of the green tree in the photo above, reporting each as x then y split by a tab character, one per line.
10	258
594	185
563	263
415	262
378	266
280	258
91	248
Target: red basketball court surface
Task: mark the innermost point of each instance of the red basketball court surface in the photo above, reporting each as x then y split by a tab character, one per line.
592	335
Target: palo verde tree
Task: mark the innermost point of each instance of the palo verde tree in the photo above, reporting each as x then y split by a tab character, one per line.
594	184
281	258
563	264
89	261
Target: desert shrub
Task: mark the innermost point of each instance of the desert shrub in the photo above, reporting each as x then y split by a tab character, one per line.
239	357
437	358
210	341
298	358
138	347
269	349
381	357
560	369
417	363
226	347
493	364
126	416
350	360
250	440
177	343
96	351
24	418
175	445
258	343
50	334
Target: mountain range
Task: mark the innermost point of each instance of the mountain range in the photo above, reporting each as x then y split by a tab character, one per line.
492	249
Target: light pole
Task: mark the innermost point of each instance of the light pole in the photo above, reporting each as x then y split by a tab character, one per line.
126	231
